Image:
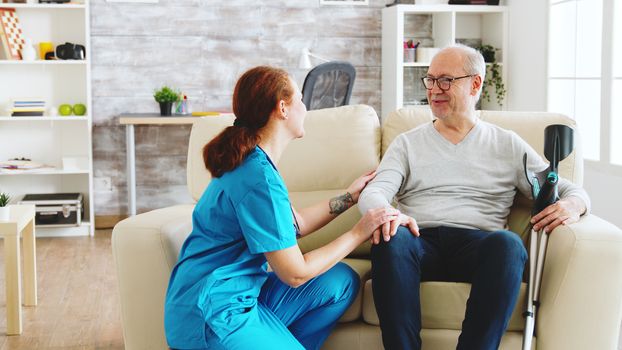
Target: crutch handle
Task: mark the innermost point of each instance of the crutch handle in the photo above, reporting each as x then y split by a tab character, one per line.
548	193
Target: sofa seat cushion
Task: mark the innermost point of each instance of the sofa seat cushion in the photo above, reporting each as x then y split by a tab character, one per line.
443	305
363	268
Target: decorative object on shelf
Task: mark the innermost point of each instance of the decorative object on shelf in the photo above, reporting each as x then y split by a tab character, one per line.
65	110
166	96
493	74
409	50
28	51
4	206
79	109
22	165
44	48
69	51
182	105
10	34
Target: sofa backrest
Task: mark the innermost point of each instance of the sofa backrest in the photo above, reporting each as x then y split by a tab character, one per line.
339	145
528	125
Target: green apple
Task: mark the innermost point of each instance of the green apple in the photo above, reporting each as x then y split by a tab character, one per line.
64	109
79	109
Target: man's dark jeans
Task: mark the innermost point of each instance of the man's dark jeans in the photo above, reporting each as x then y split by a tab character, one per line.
492	262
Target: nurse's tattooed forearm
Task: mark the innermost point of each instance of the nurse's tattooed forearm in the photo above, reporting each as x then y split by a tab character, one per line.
341	203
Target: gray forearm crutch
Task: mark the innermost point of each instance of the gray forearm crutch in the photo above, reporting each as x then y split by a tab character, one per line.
558	144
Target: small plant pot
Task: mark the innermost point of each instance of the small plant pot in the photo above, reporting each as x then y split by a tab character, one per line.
5	213
166	108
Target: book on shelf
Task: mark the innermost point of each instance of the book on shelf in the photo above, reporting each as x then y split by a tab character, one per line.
27	114
28	107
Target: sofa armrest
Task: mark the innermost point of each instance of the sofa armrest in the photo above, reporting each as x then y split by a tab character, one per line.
581	292
144	262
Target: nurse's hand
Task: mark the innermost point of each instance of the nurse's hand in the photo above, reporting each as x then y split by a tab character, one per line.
373	219
359	184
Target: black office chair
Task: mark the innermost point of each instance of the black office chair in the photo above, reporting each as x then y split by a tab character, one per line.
328	85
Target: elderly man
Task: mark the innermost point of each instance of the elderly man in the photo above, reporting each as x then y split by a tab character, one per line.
454	180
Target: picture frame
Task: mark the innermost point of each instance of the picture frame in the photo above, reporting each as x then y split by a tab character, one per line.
344	2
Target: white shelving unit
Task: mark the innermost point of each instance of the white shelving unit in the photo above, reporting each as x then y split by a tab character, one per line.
47	140
450	24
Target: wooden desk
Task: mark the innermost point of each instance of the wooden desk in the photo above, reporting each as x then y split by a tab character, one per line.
131	119
21	222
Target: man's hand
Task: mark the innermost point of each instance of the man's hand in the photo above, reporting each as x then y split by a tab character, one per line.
563	212
389	229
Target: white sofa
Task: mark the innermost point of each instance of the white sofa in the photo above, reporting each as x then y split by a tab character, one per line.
581	294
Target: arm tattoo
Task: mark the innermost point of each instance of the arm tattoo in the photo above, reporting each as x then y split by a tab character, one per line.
341	203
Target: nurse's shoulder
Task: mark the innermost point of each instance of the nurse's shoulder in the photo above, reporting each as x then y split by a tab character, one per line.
255	172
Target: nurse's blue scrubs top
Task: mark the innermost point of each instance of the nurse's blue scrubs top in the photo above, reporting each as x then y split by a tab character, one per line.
221	266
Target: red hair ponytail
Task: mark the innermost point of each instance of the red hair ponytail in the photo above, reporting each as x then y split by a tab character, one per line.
256	95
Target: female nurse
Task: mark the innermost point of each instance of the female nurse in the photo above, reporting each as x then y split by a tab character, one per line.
220	294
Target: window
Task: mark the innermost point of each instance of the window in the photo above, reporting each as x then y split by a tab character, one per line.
585	72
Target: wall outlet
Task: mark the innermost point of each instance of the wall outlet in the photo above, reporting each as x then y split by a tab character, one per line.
102	184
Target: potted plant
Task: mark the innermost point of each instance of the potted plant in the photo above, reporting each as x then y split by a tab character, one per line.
4	208
166	96
493	74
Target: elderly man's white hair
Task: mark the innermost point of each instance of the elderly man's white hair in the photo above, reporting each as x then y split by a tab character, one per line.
473	61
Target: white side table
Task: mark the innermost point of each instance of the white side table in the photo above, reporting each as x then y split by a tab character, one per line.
21	222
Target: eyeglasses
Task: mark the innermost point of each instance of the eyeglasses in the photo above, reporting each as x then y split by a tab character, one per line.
443	83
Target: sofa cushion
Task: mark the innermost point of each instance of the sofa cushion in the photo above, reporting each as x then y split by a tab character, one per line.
443	305
339	145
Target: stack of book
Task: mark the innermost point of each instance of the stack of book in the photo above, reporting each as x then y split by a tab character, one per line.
28	108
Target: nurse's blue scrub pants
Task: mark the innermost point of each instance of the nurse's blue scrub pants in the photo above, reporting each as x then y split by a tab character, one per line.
295	318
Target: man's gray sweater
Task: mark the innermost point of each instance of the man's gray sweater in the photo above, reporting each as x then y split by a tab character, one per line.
468	185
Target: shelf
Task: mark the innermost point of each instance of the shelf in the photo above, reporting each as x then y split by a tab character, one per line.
436	26
42	172
43	119
46	63
50	140
44	6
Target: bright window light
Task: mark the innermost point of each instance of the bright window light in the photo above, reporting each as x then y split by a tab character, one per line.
575	66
